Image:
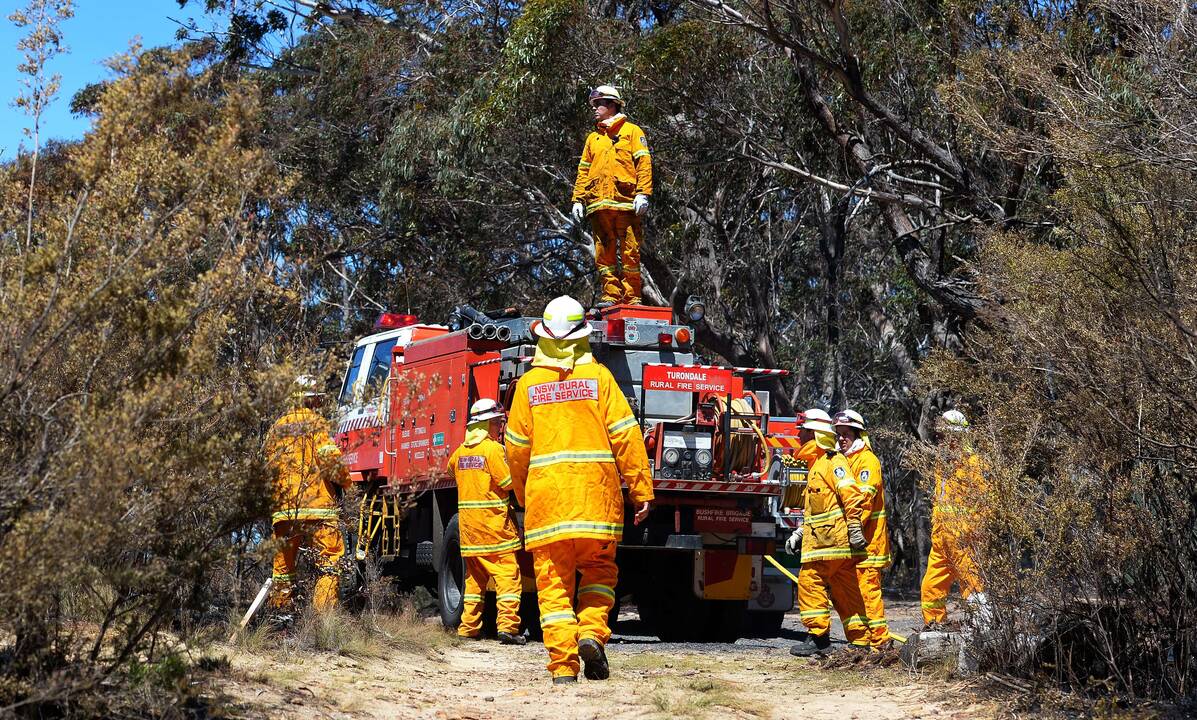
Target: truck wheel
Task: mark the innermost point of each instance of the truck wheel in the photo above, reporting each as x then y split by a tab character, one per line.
450	576
724	620
671	611
764	624
530	616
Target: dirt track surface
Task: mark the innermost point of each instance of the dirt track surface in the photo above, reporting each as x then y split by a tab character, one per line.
482	680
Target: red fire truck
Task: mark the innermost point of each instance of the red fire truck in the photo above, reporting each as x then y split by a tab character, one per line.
722	479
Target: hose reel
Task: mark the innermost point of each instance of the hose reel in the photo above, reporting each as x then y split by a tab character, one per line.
744	444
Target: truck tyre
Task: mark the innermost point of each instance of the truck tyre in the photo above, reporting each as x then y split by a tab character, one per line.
671	611
530	616
725	621
450	576
764	624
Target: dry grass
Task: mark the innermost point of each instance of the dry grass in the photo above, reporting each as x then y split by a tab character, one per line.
652	661
372	635
703	697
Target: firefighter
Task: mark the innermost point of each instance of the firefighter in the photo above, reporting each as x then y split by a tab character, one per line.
614	183
489	537
831	530
571	437
950	559
858	451
308	476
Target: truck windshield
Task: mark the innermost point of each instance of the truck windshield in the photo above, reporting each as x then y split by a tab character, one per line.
355	366
380	366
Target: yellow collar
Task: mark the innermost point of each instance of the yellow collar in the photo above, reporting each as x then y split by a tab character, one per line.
476	433
563	354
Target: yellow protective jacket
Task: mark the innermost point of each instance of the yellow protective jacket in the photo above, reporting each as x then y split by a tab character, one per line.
615	167
956	494
571	436
867	470
307	467
832	498
483	508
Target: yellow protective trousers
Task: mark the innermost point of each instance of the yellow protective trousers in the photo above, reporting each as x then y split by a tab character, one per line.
837	578
946	562
479	569
557	565
324	538
617	238
869	579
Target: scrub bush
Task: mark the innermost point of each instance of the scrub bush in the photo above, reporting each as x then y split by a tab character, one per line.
139	367
1083	366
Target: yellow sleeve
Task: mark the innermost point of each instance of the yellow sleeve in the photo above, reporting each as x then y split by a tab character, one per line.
978	475
627	441
496	463
452	461
583	170
854	502
272	448
328	456
644	164
519	439
869	478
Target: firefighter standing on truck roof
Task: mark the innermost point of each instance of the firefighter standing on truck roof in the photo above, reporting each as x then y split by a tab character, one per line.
308	473
950	558
831	530
489	537
858	451
615	180
571	437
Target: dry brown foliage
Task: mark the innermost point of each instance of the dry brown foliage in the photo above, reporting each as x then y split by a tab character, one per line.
138	370
1083	371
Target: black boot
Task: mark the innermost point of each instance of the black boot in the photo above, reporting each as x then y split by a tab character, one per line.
594	658
509	639
812	645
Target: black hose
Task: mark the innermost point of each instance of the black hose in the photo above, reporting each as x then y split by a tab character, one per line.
471	314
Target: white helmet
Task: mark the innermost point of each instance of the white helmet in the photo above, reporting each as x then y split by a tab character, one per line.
953	421
306	387
485	409
817	420
606	92
564	319
850	418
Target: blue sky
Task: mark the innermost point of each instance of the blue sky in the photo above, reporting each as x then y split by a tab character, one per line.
99	30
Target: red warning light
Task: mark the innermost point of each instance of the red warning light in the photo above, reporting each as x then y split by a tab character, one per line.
391	321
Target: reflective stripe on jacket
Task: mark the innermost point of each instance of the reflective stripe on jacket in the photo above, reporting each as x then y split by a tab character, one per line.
307	467
832	498
615	167
571	436
867	469
483	511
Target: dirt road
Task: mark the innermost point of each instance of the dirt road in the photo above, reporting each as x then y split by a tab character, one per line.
484	680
